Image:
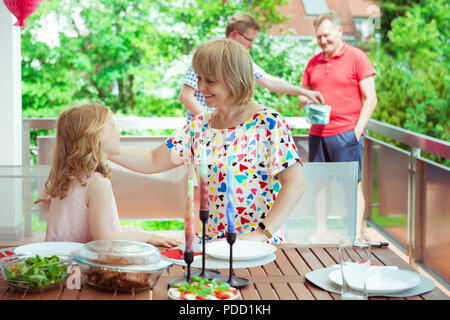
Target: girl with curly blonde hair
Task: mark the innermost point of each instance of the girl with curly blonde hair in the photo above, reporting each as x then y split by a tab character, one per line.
82	205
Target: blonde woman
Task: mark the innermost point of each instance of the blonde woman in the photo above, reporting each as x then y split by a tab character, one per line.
82	204
251	140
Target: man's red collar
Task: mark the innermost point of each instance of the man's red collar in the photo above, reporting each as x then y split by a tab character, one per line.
340	53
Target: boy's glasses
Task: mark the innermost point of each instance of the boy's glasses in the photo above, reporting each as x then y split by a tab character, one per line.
248	39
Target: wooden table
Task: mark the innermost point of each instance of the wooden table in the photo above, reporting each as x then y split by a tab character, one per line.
283	279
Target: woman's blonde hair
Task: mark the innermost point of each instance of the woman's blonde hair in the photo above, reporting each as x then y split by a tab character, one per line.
78	151
228	62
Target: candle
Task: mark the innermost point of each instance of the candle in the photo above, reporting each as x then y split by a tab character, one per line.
231	211
204	203
189	217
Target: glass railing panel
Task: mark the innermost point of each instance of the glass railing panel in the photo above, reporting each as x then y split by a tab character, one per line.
390	191
436	253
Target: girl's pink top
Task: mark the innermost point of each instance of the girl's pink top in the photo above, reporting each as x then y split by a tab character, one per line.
68	218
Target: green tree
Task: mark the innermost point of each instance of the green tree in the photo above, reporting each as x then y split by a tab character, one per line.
391	10
121	52
413	72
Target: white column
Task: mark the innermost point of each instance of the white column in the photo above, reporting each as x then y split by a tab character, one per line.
10	90
11	215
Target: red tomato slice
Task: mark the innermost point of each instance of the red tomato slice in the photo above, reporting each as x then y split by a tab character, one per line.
221	295
201	297
232	291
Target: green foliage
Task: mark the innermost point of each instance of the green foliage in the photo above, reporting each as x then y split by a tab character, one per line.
413	72
287	60
121	52
132	56
392	9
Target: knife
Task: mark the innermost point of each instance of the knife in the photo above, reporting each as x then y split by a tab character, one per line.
379	244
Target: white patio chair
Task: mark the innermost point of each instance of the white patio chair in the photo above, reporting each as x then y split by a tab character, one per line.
327	210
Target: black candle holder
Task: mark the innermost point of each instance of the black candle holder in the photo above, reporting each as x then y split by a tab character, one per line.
208	274
188	258
233	281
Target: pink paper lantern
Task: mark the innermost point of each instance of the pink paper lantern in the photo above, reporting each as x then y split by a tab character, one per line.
22	9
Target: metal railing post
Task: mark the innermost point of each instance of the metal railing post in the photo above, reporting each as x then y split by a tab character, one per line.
26	188
367	181
420	209
411	227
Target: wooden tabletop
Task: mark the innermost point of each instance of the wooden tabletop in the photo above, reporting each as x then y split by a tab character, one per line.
282	279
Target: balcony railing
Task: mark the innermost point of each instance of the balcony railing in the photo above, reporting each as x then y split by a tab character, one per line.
406	195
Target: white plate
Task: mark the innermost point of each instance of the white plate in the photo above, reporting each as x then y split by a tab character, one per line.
384	280
214	263
242	249
46	249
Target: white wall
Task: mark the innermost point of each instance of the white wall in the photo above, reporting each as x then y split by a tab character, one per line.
11	216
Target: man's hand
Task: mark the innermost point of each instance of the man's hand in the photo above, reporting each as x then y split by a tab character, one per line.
358	133
309	96
313	97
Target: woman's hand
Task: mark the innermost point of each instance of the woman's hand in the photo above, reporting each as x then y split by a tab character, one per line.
256	235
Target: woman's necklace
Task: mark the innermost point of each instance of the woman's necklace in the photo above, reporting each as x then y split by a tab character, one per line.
226	124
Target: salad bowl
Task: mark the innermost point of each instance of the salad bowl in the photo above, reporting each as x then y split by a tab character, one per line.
35	274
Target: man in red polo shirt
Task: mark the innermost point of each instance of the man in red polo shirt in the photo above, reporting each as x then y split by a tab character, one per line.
345	77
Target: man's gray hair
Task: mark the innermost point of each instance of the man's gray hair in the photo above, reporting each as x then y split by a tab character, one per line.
332	16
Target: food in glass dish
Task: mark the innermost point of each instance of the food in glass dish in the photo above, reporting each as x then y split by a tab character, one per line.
121	264
35	273
104	277
202	289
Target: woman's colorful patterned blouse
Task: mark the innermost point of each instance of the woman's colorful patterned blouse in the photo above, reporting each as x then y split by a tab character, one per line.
257	150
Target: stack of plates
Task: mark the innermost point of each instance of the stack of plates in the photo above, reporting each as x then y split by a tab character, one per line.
383	280
246	254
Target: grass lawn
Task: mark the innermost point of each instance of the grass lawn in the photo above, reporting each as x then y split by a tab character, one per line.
390	221
155	224
40	226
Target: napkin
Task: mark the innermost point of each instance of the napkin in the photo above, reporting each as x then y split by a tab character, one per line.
176	254
6	253
7	256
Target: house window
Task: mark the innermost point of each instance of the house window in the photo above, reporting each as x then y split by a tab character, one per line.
315	7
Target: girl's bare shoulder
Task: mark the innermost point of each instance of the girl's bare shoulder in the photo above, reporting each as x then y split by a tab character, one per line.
99	184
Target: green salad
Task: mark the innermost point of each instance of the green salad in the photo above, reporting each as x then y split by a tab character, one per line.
37	272
202	289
